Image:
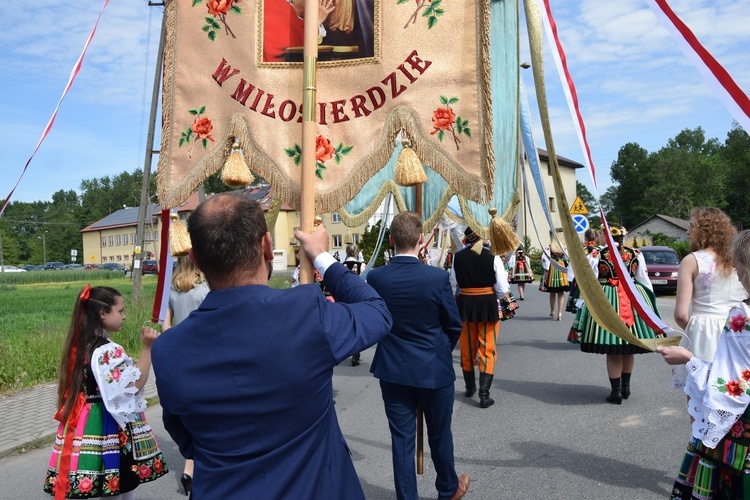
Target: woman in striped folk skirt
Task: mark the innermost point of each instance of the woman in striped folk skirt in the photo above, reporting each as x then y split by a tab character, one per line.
555	280
594	338
519	271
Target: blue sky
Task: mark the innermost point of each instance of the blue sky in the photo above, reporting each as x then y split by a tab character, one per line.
633	83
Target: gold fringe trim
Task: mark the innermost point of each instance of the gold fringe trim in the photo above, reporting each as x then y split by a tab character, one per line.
272	214
484	68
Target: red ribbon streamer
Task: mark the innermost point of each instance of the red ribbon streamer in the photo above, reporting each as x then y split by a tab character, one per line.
73	74
163	252
62	484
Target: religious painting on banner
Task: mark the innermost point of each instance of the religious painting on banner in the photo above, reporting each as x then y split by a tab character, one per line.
233	72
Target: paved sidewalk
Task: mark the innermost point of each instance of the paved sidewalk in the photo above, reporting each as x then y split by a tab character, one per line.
28	415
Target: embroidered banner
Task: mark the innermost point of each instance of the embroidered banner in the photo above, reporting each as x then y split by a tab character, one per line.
234	70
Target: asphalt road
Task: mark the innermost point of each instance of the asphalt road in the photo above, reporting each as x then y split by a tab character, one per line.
550	434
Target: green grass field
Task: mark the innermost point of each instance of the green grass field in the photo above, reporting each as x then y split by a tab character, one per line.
35	313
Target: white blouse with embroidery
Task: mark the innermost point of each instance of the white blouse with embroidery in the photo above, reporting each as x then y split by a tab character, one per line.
116	374
719	392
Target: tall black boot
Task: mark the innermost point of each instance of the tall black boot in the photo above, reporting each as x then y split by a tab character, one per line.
471	383
485	382
626	385
615	397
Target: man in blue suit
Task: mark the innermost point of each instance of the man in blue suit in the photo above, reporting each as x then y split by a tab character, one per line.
414	361
245	380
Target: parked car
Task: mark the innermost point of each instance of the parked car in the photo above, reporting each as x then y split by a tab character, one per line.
73	266
150	267
54	266
11	269
91	266
663	264
112	266
28	267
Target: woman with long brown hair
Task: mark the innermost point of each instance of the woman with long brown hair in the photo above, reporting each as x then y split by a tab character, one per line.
707	285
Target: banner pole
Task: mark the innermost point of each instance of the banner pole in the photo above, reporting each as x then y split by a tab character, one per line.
309	132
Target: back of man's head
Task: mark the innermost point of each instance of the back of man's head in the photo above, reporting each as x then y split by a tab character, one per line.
406	229
227	232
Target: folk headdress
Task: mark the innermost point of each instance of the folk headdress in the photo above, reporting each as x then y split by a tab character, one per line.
616	231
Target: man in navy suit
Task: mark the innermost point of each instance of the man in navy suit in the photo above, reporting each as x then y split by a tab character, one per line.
414	361
245	381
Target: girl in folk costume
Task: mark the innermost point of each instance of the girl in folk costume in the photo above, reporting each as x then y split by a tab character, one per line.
591	243
716	464
555	281
594	338
104	446
520	272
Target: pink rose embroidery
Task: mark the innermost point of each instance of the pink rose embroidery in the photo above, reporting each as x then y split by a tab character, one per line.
737	323
85	485
736	429
144	471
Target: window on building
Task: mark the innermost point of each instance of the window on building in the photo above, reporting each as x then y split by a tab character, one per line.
117	240
336	241
335	217
126	257
104	241
124	238
148	236
355	239
119	258
132	238
111	258
552	207
111	241
183	216
156	235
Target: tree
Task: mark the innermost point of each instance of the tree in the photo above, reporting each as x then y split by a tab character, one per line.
588	199
369	241
690	174
214	184
633	171
735	155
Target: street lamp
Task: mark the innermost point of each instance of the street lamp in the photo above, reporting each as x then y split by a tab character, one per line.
44	245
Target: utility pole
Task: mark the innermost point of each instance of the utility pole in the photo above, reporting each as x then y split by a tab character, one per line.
137	273
43	237
2	259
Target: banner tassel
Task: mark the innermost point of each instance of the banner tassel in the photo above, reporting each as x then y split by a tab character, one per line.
502	237
409	170
179	239
236	173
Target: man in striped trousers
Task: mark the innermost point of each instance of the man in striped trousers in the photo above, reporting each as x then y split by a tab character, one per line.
482	279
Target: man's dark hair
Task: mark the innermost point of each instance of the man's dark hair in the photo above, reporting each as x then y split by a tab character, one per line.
226	232
405	230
